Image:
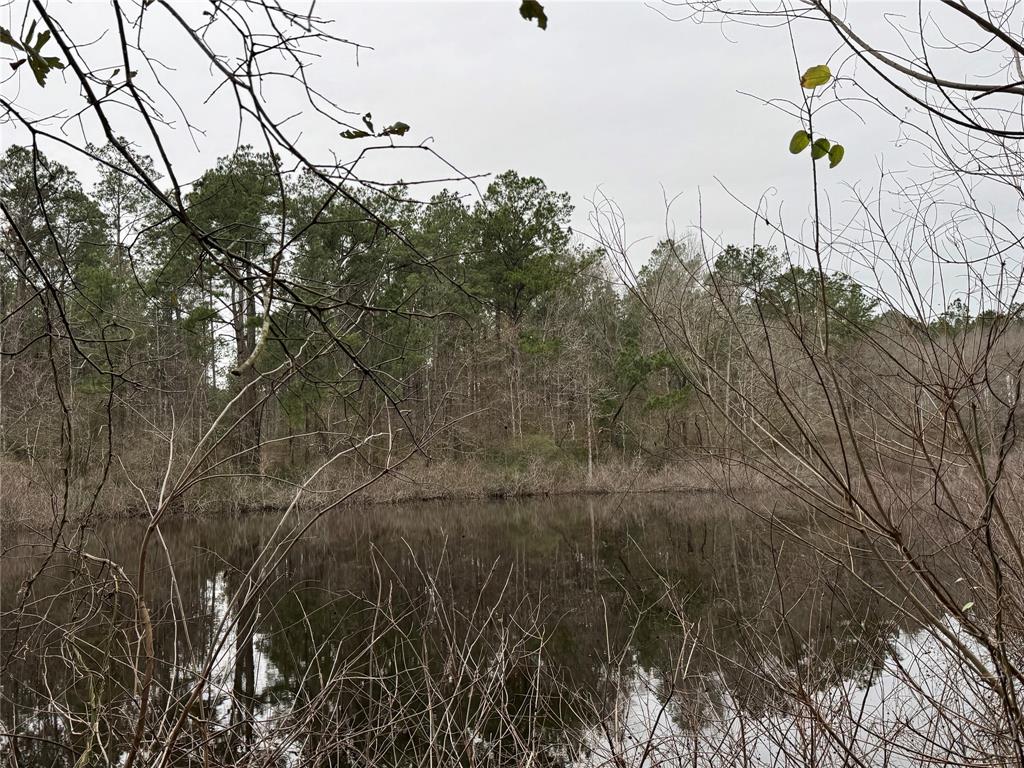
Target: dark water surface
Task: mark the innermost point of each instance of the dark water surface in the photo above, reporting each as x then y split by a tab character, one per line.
479	631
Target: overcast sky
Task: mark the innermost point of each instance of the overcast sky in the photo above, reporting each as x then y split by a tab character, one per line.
612	97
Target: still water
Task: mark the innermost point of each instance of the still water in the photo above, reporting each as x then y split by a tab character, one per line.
558	631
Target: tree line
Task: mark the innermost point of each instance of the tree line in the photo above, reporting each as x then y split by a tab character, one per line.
486	324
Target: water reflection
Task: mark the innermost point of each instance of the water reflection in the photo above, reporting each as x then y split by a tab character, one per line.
481	633
917	709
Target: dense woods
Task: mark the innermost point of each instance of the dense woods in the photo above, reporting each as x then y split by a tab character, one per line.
478	329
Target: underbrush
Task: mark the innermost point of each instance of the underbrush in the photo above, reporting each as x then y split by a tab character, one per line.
34	495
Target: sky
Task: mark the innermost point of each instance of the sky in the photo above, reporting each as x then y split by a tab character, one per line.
613	100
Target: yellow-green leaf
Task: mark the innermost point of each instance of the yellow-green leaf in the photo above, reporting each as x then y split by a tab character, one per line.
968	606
835	155
800	141
816	76
820	148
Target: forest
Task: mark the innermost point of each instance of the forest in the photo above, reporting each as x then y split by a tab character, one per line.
479	333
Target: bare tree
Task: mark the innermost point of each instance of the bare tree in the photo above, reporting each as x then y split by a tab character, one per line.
901	423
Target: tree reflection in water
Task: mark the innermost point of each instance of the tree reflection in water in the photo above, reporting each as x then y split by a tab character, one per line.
558	630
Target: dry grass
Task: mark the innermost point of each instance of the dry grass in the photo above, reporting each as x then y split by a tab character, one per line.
32	495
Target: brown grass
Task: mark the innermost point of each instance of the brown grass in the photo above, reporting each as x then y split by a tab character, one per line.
32	496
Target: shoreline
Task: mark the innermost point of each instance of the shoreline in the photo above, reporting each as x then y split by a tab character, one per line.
456	482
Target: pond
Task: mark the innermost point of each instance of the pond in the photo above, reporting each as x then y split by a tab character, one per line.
615	630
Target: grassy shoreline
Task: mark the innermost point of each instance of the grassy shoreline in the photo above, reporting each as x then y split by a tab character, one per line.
30	498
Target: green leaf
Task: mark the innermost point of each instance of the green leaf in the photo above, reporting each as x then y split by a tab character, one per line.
835	155
968	606
354	133
396	129
41	40
816	76
531	9
368	122
820	148
8	39
799	142
41	65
